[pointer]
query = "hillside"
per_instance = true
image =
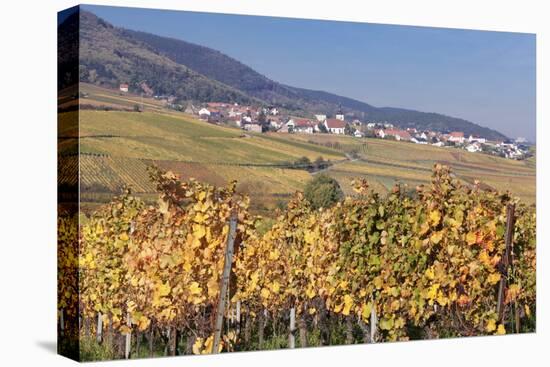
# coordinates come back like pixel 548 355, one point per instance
pixel 111 55
pixel 107 57
pixel 117 146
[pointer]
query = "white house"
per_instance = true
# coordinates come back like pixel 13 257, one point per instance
pixel 253 127
pixel 321 118
pixel 456 137
pixel 358 134
pixel 123 87
pixel 335 126
pixel 204 113
pixel 303 125
pixel 521 140
pixel 474 147
pixel 340 116
pixel 478 139
pixel 288 127
pixel 380 133
pixel 422 136
pixel 275 123
pixel 398 134
pixel 371 125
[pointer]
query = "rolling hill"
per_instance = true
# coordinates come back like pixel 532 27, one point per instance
pixel 110 55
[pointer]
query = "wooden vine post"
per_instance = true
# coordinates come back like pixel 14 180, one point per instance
pixel 292 330
pixel 225 281
pixel 99 328
pixel 373 323
pixel 506 259
pixel 128 338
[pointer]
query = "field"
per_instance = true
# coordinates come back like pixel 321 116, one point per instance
pixel 387 162
pixel 117 146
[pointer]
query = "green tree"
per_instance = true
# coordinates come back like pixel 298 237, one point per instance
pixel 348 130
pixel 323 192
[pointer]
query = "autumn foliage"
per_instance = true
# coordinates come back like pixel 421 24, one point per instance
pixel 404 266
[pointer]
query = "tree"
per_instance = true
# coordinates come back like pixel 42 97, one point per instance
pixel 323 192
pixel 304 163
pixel 322 127
pixel 262 120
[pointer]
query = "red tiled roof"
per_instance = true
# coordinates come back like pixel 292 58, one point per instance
pixel 302 122
pixel 216 104
pixel 402 133
pixel 457 134
pixel 335 124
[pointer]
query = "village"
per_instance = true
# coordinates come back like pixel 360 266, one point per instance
pixel 270 119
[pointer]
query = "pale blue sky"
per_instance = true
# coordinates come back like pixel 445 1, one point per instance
pixel 485 77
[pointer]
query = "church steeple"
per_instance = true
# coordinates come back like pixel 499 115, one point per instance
pixel 340 113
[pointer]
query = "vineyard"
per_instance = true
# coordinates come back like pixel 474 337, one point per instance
pixel 193 275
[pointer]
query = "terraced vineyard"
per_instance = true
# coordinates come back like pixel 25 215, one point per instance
pixel 117 146
pixel 387 162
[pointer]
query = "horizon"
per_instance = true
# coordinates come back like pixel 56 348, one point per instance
pixel 485 77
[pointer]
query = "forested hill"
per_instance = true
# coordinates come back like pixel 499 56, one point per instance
pixel 111 55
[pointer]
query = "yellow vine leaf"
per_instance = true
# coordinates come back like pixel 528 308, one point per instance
pixel 436 237
pixel 471 238
pixel 491 326
pixel 435 217
pixel 199 231
pixel 348 303
pixel 197 346
pixel 366 309
pixel 194 288
pixel 164 289
pixel 493 278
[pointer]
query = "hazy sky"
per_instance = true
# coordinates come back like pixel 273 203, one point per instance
pixel 485 77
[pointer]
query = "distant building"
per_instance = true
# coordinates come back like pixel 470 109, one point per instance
pixel 398 134
pixel 321 118
pixel 204 114
pixel 479 139
pixel 217 105
pixel 256 128
pixel 123 87
pixel 303 125
pixel 521 140
pixel 358 134
pixel 340 116
pixel 380 133
pixel 474 147
pixel 275 122
pixel 215 115
pixel 456 137
pixel 335 126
